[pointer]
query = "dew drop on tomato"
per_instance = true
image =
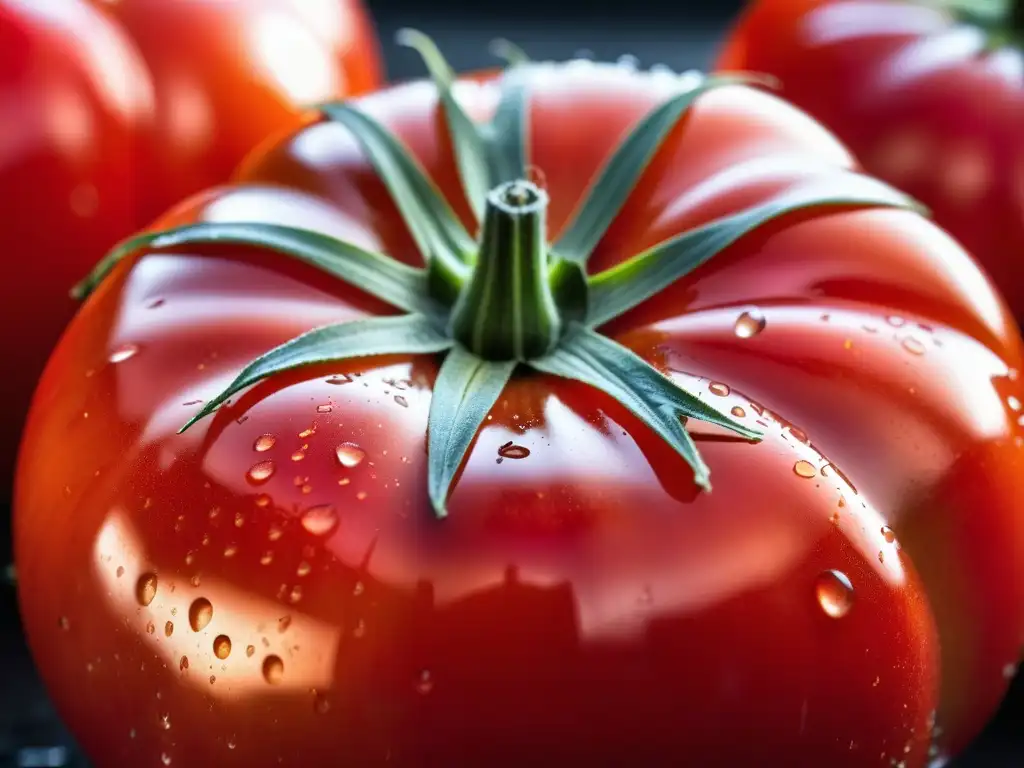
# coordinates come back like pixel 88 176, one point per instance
pixel 340 379
pixel 738 412
pixel 835 593
pixel 273 669
pixel 165 759
pixel 169 629
pixel 749 324
pixel 425 682
pixel 804 469
pixel 123 353
pixel 718 388
pixel 320 520
pixel 261 471
pixel 350 455
pixel 145 588
pixel 200 613
pixel 222 646
pixel 888 534
pixel 913 345
pixel 264 443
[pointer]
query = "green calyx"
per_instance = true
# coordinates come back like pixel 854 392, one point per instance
pixel 1001 20
pixel 504 298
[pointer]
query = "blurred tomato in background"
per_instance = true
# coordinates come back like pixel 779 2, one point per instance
pixel 929 96
pixel 112 111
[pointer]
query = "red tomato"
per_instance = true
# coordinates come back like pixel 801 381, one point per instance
pixel 271 588
pixel 228 74
pixel 86 160
pixel 75 98
pixel 922 101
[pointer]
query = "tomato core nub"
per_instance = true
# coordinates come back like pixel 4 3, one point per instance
pixel 507 310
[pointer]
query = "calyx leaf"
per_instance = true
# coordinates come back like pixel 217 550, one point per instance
pixel 381 276
pixel 617 290
pixel 390 335
pixel 464 393
pixel 656 400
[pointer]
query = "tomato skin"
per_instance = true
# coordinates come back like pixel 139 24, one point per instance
pixel 585 603
pixel 920 102
pixel 246 72
pixel 75 101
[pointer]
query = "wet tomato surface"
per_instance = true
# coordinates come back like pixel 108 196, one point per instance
pixel 928 102
pixel 109 118
pixel 271 588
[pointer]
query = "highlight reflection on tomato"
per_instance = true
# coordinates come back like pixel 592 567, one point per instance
pixel 282 593
pixel 928 95
pixel 110 117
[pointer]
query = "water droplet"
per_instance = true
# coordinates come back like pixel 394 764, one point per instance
pixel 320 520
pixel 283 623
pixel 155 304
pixel 165 758
pixel 913 345
pixel 738 412
pixel 718 388
pixel 360 629
pixel 264 443
pixel 63 623
pixel 350 455
pixel 323 409
pixel 200 613
pixel 358 589
pixel 274 533
pixel 123 352
pixel 267 558
pixel 230 550
pixel 250 650
pixel 888 534
pixel 295 595
pixel 425 682
pixel 298 455
pixel 222 646
pixel 881 556
pixel 195 581
pixel 804 469
pixel 263 500
pixel 511 451
pixel 232 743
pixel 183 664
pixel 1013 403
pixel 401 401
pixel 1010 671
pixel 750 323
pixel 896 321
pixel 120 571
pixel 145 588
pixel 340 379
pixel 321 704
pixel 165 722
pixel 835 593
pixel 261 471
pixel 150 628
pixel 168 629
pixel 273 669
pixel 303 569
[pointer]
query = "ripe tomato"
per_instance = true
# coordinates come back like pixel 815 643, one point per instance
pixel 228 74
pixel 270 587
pixel 87 160
pixel 928 103
pixel 75 99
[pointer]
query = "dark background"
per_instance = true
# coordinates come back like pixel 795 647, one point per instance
pixel 681 35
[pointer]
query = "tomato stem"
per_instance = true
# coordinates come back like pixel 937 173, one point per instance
pixel 507 310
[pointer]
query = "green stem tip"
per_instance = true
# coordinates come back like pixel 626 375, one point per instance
pixel 507 310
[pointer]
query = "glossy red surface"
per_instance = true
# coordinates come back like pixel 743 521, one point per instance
pixel 584 604
pixel 921 101
pixel 112 112
pixel 228 74
pixel 74 98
